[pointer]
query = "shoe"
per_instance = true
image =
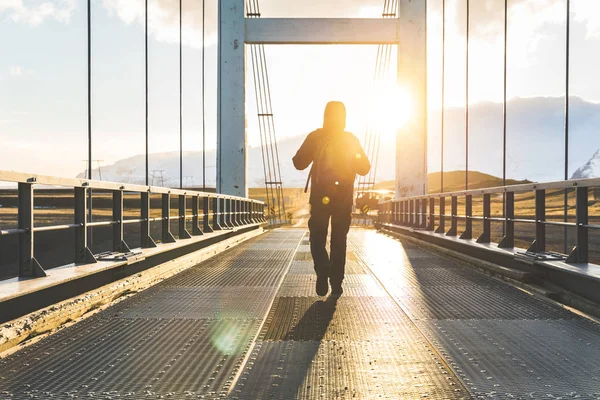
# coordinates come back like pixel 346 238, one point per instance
pixel 322 286
pixel 336 291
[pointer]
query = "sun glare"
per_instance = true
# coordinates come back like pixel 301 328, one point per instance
pixel 390 107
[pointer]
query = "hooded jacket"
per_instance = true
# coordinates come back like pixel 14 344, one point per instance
pixel 333 133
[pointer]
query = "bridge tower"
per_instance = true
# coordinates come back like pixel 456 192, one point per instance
pixel 408 31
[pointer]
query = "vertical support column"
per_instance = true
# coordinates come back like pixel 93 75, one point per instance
pixel 196 230
pixel 580 253
pixel 539 245
pixel 28 265
pixel 117 217
pixel 205 217
pixel 487 224
pixel 231 96
pixel 431 223
pixel 442 225
pixel 83 255
pixel 183 232
pixel 167 237
pixel 147 241
pixel 468 233
pixel 411 140
pixel 508 241
pixel 453 217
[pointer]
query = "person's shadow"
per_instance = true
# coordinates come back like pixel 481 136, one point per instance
pixel 306 336
pixel 282 365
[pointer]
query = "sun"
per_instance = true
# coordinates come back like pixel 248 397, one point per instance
pixel 390 107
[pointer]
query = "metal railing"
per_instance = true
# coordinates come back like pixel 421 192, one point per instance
pixel 420 212
pixel 210 212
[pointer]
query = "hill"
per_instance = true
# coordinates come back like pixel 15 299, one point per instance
pixel 455 181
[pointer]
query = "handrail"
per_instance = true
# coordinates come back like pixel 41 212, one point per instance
pixel 20 177
pixel 420 212
pixel 527 187
pixel 210 212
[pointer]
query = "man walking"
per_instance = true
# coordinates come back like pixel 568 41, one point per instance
pixel 337 157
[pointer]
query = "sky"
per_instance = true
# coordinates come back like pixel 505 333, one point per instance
pixel 43 71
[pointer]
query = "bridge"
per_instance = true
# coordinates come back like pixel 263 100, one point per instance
pixel 147 291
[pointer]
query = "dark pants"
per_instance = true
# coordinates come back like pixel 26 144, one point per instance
pixel 318 224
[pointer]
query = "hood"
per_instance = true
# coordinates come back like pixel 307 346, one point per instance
pixel 334 118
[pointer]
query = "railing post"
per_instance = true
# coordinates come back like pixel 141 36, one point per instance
pixel 442 225
pixel 400 212
pixel 415 213
pixel 487 224
pixel 117 217
pixel 236 212
pixel 431 222
pixel 205 215
pixel 227 213
pixel 147 241
pixel 28 265
pixel 83 254
pixel 196 230
pixel 468 233
pixel 167 237
pixel 215 214
pixel 251 212
pixel 580 253
pixel 424 213
pixel 508 241
pixel 539 244
pixel 453 217
pixel 244 212
pixel 183 232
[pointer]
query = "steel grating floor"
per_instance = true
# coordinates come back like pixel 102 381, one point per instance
pixel 186 337
pixel 411 324
pixel 500 341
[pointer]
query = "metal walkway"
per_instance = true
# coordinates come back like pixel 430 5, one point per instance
pixel 246 325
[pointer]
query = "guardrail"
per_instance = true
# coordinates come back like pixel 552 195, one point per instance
pixel 210 212
pixel 420 212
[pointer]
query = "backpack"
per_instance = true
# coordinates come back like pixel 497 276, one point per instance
pixel 333 164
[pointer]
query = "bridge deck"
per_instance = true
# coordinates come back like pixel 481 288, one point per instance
pixel 247 325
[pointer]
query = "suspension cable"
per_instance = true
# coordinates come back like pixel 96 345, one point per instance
pixel 266 125
pixel 203 96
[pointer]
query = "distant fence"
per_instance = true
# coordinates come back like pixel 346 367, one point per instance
pixel 209 212
pixel 537 206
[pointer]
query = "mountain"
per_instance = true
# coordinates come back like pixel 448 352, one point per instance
pixel 535 137
pixel 535 146
pixel 454 181
pixel 132 169
pixel 590 169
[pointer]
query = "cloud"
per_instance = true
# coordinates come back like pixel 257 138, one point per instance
pixel 35 12
pixel 16 70
pixel 163 19
pixel 587 12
